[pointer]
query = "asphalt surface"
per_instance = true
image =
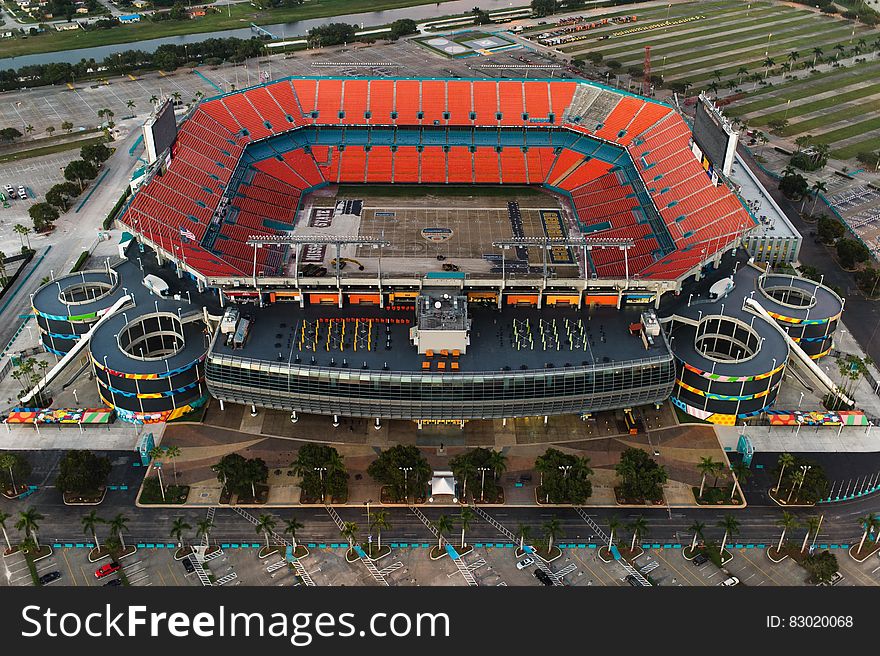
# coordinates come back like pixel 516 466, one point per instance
pixel 758 522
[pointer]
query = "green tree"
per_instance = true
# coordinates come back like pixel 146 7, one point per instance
pixel 119 525
pixel 552 530
pixel 565 478
pixel 741 473
pixel 321 471
pixel 442 525
pixel 172 452
pixel 9 134
pixel 156 454
pixel 13 467
pixel 541 8
pixel 523 532
pixel 291 526
pixel 80 171
pixel 466 517
pixel 349 532
pixel 379 521
pixel 403 469
pixel 642 478
pixel 730 524
pixel 81 471
pixel 95 153
pixel 794 186
pixel 90 526
pixel 822 567
pixel 402 27
pixel 787 522
pixel 706 466
pixel 851 252
pixel 29 522
pixel 697 529
pixel 784 461
pixel 67 126
pixel 178 528
pixel 43 216
pixel 813 524
pixel 265 525
pixel 829 230
pixel 22 231
pixel 639 527
pixel 203 529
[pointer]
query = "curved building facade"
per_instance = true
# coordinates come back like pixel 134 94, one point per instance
pixel 149 362
pixel 808 311
pixel 69 306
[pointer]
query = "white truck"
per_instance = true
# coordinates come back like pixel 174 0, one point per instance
pixel 229 320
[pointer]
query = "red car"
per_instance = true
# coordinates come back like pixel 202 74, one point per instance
pixel 107 570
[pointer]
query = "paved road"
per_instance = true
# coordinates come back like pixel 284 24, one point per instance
pixel 758 521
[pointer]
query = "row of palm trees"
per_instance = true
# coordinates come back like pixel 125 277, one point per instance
pixel 708 466
pixel 28 522
pixel 729 523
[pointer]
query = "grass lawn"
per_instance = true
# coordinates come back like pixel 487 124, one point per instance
pixel 854 111
pixel 49 150
pixel 851 151
pixel 712 29
pixel 242 14
pixel 850 131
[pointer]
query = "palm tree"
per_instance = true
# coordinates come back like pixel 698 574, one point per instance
pixel 731 528
pixel 713 87
pixel 8 462
pixel 157 453
pixel 21 230
pixel 785 460
pixel 819 187
pixel 706 466
pixel 349 532
pixel 787 522
pixel 29 522
pixel 639 527
pixel 443 525
pixel 129 104
pixel 552 530
pixel 812 527
pixel 741 474
pixel 466 517
pixel 743 71
pixel 717 74
pixel 797 479
pixel 817 52
pixel 379 521
pixel 119 525
pixel 154 99
pixel 29 128
pixel 793 56
pixel 172 452
pixel 203 528
pixel 697 528
pixel 176 95
pixel 869 522
pixel 90 525
pixel 3 517
pixel 756 78
pixel 768 64
pixel 497 463
pixel 265 525
pixel 523 532
pixel 763 140
pixel 178 528
pixel 291 526
pixel 613 525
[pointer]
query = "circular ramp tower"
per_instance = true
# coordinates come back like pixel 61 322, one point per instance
pixel 149 362
pixel 68 307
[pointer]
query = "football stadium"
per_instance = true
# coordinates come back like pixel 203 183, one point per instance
pixel 441 250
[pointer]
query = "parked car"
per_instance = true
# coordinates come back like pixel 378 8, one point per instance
pixel 22 193
pixel 700 559
pixel 730 581
pixel 113 582
pixel 525 562
pixel 107 569
pixel 10 192
pixel 542 576
pixel 45 579
pixel 188 566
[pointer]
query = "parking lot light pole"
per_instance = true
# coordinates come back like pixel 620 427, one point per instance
pixel 321 471
pixel 406 471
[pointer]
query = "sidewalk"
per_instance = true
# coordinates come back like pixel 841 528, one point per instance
pixel 826 439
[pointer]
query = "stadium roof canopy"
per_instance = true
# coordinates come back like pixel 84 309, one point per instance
pixel 625 161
